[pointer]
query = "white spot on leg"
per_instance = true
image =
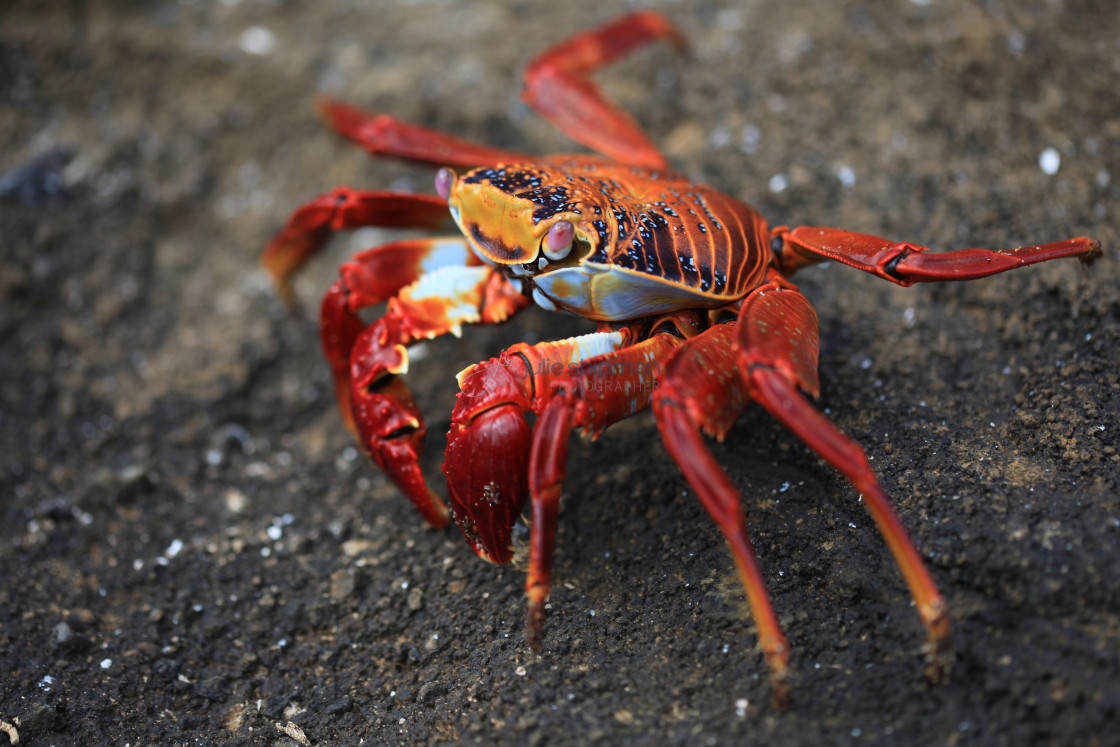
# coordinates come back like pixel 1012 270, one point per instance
pixel 596 343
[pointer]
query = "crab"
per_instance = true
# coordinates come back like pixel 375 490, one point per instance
pixel 689 288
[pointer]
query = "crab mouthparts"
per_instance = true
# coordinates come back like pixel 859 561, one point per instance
pixel 550 259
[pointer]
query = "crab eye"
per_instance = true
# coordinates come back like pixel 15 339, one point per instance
pixel 444 179
pixel 558 242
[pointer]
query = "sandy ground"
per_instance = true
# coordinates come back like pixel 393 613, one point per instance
pixel 192 552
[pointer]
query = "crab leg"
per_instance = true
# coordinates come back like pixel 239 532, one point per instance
pixel 592 395
pixel 906 263
pixel 778 343
pixel 558 87
pixel 309 227
pixel 384 135
pixel 368 361
pixel 702 391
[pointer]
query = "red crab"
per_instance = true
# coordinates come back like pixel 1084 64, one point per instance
pixel 689 287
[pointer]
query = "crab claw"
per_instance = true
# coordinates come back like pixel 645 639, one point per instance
pixel 486 468
pixel 487 457
pixel 390 427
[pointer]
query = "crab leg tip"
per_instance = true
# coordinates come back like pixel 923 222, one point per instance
pixel 938 655
pixel 781 694
pixel 534 625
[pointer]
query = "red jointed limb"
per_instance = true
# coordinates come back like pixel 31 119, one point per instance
pixel 701 390
pixel 454 297
pixel 609 379
pixel 777 358
pixel 486 464
pixel 370 278
pixel 591 393
pixel 548 461
pixel 778 325
pixel 339 327
pixel 906 263
pixel 684 443
pixel 378 274
pixel 558 87
pixel 391 430
pixel 309 227
pixel 383 135
pixel 389 424
pixel 701 379
pixel 591 50
pixel 781 398
pixel 976 263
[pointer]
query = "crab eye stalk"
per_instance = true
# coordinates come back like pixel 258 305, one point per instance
pixel 444 179
pixel 558 242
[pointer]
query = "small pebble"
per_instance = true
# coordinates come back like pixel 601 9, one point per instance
pixel 1050 160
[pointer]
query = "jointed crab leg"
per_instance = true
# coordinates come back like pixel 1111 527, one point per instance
pixel 906 263
pixel 702 391
pixel 778 357
pixel 436 304
pixel 548 466
pixel 775 345
pixel 597 392
pixel 774 392
pixel 557 86
pixel 384 135
pixel 309 227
